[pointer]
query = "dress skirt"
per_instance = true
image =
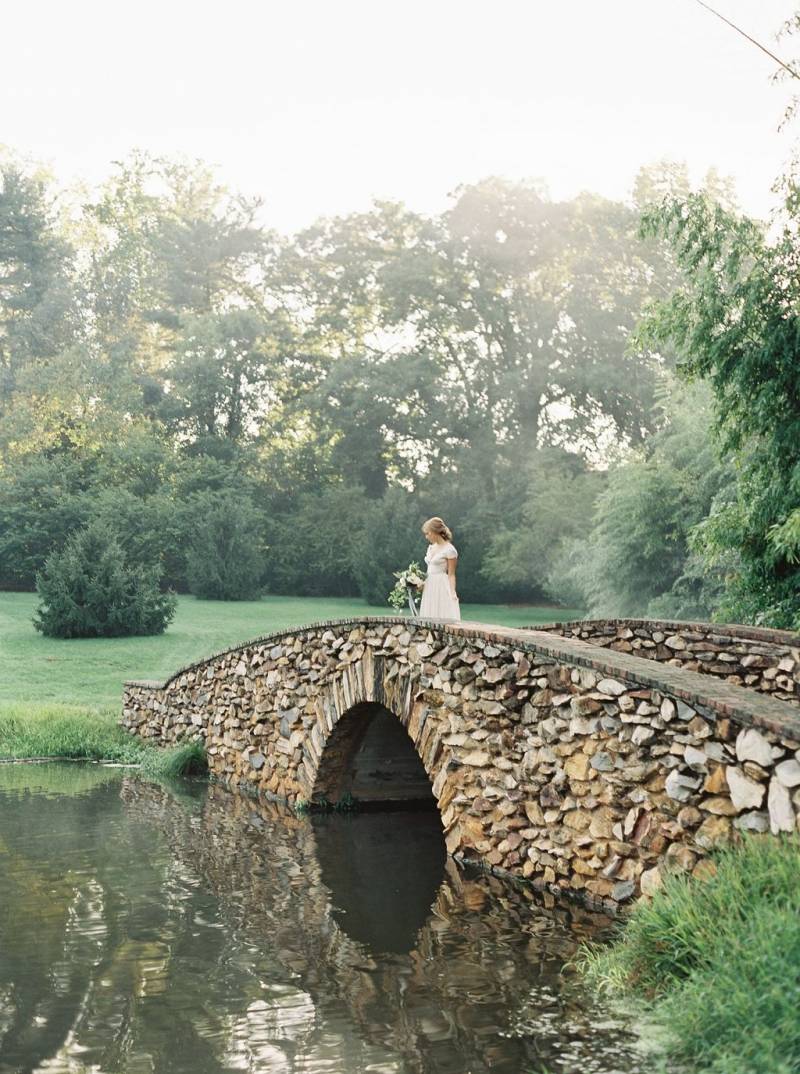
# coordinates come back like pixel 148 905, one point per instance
pixel 437 598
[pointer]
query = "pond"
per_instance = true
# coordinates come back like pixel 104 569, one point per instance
pixel 149 928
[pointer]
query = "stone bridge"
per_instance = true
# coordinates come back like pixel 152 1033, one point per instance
pixel 587 758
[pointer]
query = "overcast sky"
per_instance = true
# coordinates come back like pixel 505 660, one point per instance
pixel 320 105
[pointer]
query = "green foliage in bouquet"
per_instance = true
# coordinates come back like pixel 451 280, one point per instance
pixel 412 576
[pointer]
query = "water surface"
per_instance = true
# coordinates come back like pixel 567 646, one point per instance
pixel 147 929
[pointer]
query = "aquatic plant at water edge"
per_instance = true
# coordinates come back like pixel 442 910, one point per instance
pixel 188 759
pixel 65 731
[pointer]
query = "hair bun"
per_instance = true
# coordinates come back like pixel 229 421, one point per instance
pixel 438 526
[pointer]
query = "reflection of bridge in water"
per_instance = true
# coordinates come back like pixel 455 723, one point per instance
pixel 435 970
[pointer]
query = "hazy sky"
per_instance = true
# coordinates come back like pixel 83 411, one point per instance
pixel 321 105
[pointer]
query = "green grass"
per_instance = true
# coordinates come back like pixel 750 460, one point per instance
pixel 62 698
pixel 27 730
pixel 30 730
pixel 718 962
pixel 188 759
pixel 90 671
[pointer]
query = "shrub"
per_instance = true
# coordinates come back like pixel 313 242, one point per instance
pixel 225 560
pixel 88 590
pixel 148 529
pixel 40 506
pixel 312 543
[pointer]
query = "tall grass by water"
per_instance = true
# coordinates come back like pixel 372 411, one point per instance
pixel 29 730
pixel 718 962
pixel 75 733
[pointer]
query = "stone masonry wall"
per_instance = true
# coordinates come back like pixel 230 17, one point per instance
pixel 584 770
pixel 764 660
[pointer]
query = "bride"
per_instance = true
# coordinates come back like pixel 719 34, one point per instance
pixel 439 600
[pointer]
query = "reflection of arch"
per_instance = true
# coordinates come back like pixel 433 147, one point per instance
pixel 383 872
pixel 370 757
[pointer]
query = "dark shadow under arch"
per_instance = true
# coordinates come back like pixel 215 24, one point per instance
pixel 371 759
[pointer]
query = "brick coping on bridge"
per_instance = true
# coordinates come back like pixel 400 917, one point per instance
pixel 767 635
pixel 746 707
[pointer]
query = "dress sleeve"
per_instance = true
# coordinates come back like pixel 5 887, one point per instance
pixel 450 552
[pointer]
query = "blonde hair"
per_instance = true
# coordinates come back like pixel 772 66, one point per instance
pixel 436 525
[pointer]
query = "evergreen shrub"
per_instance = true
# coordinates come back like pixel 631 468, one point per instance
pixel 90 590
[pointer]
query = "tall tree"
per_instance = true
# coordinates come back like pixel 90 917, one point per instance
pixel 176 275
pixel 36 300
pixel 479 335
pixel 736 324
pixel 220 375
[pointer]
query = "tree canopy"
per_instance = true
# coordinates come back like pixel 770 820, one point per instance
pixel 163 353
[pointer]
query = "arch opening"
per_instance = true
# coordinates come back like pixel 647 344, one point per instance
pixel 370 760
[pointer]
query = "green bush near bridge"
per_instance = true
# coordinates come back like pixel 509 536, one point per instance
pixel 718 961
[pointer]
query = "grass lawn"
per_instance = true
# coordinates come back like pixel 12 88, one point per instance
pixel 40 672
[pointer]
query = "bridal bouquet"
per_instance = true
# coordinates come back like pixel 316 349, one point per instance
pixel 410 578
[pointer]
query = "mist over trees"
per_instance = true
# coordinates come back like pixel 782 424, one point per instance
pixel 168 364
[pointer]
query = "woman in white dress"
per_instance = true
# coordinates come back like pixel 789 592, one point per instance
pixel 439 600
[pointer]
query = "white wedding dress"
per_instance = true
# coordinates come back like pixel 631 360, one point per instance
pixel 437 597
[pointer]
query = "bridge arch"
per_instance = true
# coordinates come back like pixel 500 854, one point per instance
pixel 586 769
pixel 370 759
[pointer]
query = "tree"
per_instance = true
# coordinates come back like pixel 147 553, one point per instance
pixel 637 558
pixel 225 560
pixel 131 483
pixel 735 325
pixel 33 261
pixel 557 507
pixel 311 542
pixel 36 297
pixel 40 506
pixel 461 341
pixel 176 288
pixel 221 375
pixel 89 590
pixel 388 539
